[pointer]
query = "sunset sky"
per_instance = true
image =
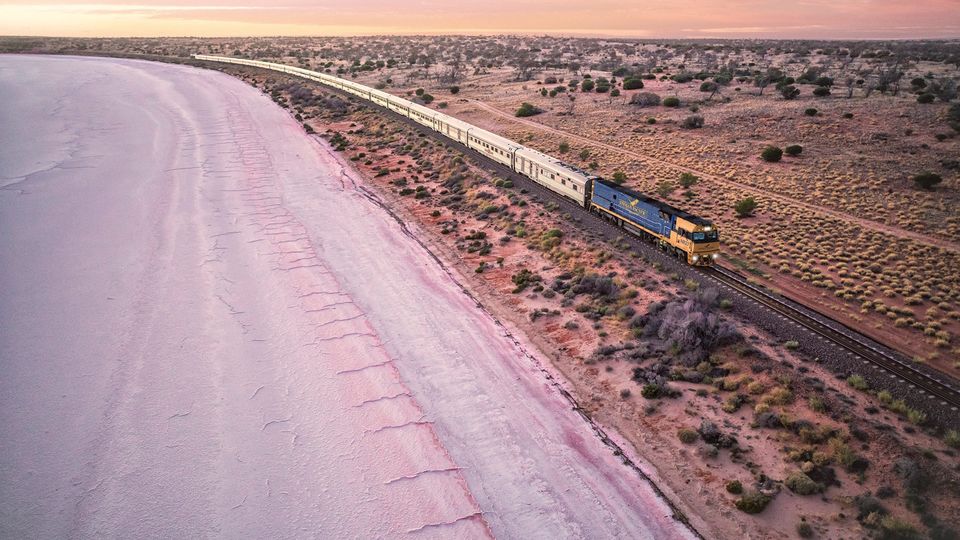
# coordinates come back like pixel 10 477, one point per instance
pixel 637 18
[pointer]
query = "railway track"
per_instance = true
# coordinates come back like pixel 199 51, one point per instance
pixel 847 339
pixel 871 354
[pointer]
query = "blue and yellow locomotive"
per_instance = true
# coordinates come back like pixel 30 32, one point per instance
pixel 686 236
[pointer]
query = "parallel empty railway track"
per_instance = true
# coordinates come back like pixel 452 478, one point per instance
pixel 850 340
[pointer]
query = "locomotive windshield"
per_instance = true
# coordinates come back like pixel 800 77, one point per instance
pixel 705 236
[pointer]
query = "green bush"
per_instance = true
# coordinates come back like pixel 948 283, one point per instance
pixel 810 112
pixel 735 487
pixel 793 150
pixel 789 92
pixel 632 84
pixel 564 147
pixel 804 530
pixel 688 179
pixel 926 180
pixel 771 154
pixel 745 207
pixel 801 484
pixel 821 91
pixel 952 438
pixel 454 89
pixel 651 391
pixel 753 503
pixel 694 121
pixel 925 98
pixel 671 102
pixel 858 382
pixel 527 109
pixel 687 435
pixel 587 85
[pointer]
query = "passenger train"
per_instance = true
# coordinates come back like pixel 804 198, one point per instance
pixel 691 238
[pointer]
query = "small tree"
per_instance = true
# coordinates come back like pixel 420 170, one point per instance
pixel 615 93
pixel 771 154
pixel 632 84
pixel 793 150
pixel 789 91
pixel 926 180
pixel 688 179
pixel 587 85
pixel 671 102
pixel 584 154
pixel 694 121
pixel 454 89
pixel 665 188
pixel 821 91
pixel 527 109
pixel 925 98
pixel 564 147
pixel 745 207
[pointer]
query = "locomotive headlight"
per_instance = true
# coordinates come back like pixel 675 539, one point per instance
pixel 715 255
pixel 696 258
pixel 708 229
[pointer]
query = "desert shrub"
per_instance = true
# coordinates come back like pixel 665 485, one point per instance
pixel 810 111
pixel 454 89
pixel 683 77
pixel 892 528
pixel 426 98
pixel 793 150
pixel 528 109
pixel 792 345
pixel 690 327
pixel 564 147
pixel 858 382
pixel 619 177
pixel 645 99
pixel 804 530
pixel 587 85
pixel 671 102
pixel 694 121
pixel 523 279
pixel 821 91
pixel 771 154
pixel 925 98
pixel 584 154
pixel 651 391
pixel 952 438
pixel 688 179
pixel 926 180
pixel 687 435
pixel 615 92
pixel 789 91
pixel 735 487
pixel 753 502
pixel 745 207
pixel 708 86
pixel 801 484
pixel 632 84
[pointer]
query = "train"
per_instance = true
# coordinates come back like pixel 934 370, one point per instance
pixel 692 239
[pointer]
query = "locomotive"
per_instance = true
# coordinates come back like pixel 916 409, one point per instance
pixel 688 237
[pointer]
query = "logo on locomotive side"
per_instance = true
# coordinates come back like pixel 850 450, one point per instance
pixel 631 208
